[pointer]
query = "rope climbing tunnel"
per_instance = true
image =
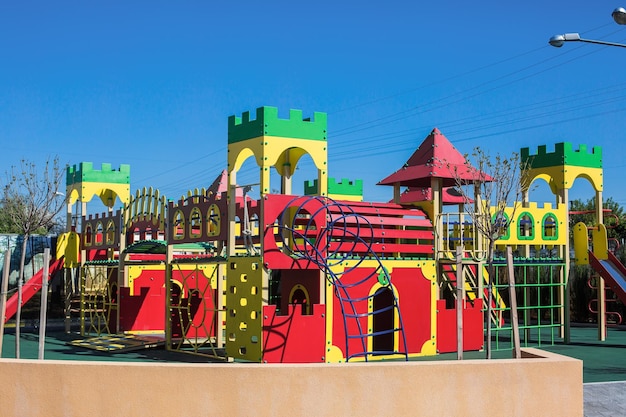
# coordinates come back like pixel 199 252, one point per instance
pixel 347 235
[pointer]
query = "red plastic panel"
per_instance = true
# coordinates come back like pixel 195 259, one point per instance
pixel 382 228
pixel 274 205
pixel 416 306
pixel 472 327
pixel 416 309
pixel 144 311
pixel 293 338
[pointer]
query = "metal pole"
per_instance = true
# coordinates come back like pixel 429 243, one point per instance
pixel 3 293
pixel 43 309
pixel 565 276
pixel 489 311
pixel 513 301
pixel 460 298
pixel 600 280
pixel 168 295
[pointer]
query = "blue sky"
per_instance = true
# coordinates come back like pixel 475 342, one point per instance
pixel 152 83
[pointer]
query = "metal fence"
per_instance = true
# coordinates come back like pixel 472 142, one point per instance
pixel 34 254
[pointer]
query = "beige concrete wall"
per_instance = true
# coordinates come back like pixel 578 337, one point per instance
pixel 542 384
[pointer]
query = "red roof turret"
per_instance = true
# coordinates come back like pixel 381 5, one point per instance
pixel 436 157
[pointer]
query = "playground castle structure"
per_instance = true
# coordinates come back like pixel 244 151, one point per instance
pixel 319 277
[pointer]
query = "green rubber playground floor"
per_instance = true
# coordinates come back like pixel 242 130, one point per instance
pixel 57 348
pixel 603 361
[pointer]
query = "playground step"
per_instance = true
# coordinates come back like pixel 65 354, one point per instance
pixel 448 272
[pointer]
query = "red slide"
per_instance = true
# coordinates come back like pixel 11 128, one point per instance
pixel 613 272
pixel 31 287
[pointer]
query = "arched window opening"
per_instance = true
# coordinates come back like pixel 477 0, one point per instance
pixel 525 229
pixel 383 321
pixel 195 223
pixel 179 225
pixel 110 233
pixel 136 235
pixel 99 233
pixel 549 227
pixel 213 221
pixel 299 296
pixel 88 235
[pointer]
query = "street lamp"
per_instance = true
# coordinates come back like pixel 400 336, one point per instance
pixel 619 15
pixel 559 40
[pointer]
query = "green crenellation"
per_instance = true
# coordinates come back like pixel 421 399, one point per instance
pixel 85 172
pixel 344 187
pixel 563 154
pixel 267 123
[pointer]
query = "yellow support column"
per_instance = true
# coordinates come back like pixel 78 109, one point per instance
pixel 602 241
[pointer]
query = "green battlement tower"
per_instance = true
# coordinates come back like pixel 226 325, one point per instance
pixel 83 182
pixel 342 190
pixel 267 123
pixel 561 167
pixel 564 154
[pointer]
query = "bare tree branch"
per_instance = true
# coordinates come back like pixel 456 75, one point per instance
pixel 31 201
pixel 495 184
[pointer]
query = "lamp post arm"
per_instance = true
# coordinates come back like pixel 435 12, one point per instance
pixel 559 40
pixel 621 45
